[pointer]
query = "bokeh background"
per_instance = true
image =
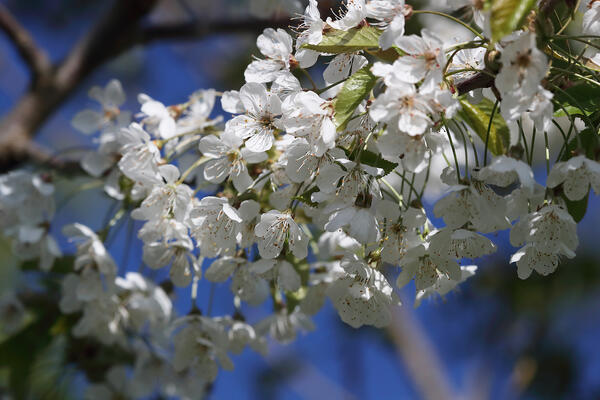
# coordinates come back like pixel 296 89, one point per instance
pixel 497 337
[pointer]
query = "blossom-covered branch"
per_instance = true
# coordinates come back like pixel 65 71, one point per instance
pixel 313 187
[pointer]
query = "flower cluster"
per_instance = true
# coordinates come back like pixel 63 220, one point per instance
pixel 307 194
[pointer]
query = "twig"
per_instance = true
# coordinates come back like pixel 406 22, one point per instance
pixel 419 356
pixel 121 28
pixel 478 81
pixel 34 56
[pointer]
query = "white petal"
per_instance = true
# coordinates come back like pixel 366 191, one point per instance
pixel 260 141
pixel 288 279
pixel 87 121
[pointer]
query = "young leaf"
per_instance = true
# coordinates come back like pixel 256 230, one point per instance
pixel 373 160
pixel 336 41
pixel 508 15
pixel 305 197
pixel 587 96
pixel 353 92
pixel 576 208
pixel 478 118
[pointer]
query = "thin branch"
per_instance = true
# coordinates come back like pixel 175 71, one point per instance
pixel 34 154
pixel 478 81
pixel 194 31
pixel 419 355
pixel 121 28
pixel 34 56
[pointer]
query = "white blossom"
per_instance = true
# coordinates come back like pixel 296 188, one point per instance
pixel 363 295
pixel 227 159
pixel 261 108
pixel 547 234
pixel 283 326
pixel 591 19
pixel 390 16
pixel 356 12
pixel 157 117
pixel 307 115
pixel 111 97
pixel 576 176
pixel 273 230
pixel 276 46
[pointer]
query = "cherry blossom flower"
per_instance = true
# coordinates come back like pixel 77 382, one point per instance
pixel 390 14
pixel 591 18
pixel 273 230
pixel 276 46
pixel 424 59
pixel 201 344
pixel 305 114
pixel 444 285
pixel 356 12
pixel 257 125
pixel 576 176
pixel 111 97
pixel 523 67
pixel 412 108
pixel 228 159
pixel 215 225
pixel 547 234
pixel 363 295
pixel 90 249
pixel 283 326
pixel 310 32
pixel 140 155
pixel 157 118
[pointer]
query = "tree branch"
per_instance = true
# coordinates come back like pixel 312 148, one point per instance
pixel 419 355
pixel 35 57
pixel 478 81
pixel 194 30
pixel 120 29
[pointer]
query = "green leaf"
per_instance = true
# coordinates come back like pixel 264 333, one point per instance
pixel 570 110
pixel 577 208
pixel 337 42
pixel 19 353
pixel 390 54
pixel 305 197
pixel 374 160
pixel 355 88
pixel 508 15
pixel 478 118
pixel 587 96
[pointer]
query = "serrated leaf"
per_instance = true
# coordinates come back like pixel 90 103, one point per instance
pixel 478 118
pixel 354 90
pixel 337 41
pixel 508 15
